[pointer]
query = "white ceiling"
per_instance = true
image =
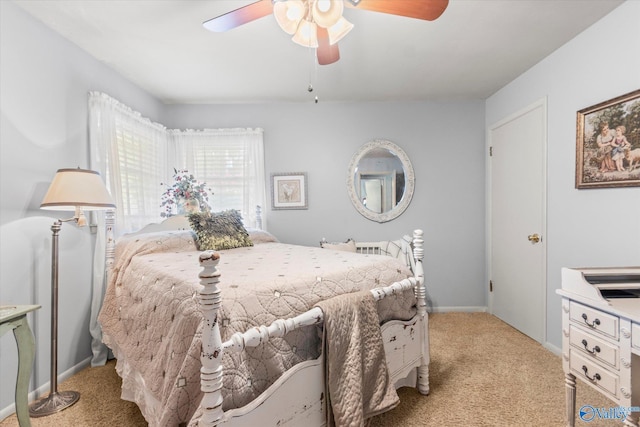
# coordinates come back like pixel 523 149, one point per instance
pixel 472 50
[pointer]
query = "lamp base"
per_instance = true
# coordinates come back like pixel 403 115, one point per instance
pixel 53 403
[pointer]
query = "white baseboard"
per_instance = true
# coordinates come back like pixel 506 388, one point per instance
pixel 40 391
pixel 553 349
pixel 467 309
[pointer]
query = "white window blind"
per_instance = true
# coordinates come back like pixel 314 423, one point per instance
pixel 130 152
pixel 231 162
pixel 141 168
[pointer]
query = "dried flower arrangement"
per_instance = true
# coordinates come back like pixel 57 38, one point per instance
pixel 183 194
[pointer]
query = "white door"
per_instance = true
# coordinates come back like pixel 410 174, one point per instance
pixel 517 211
pixel 373 191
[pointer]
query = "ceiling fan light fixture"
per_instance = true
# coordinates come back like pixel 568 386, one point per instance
pixel 307 34
pixel 288 14
pixel 327 13
pixel 319 24
pixel 338 30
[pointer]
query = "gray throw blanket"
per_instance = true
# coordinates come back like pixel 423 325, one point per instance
pixel 357 380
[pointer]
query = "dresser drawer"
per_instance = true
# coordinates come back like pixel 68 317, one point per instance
pixel 635 336
pixel 594 347
pixel 594 373
pixel 594 320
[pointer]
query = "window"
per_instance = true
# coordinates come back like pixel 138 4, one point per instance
pixel 139 166
pixel 231 162
pixel 136 155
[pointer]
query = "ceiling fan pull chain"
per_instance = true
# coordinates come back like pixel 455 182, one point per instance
pixel 313 72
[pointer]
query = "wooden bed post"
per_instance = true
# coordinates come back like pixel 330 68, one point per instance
pixel 211 354
pixel 421 295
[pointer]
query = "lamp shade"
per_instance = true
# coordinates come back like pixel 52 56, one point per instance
pixel 73 188
pixel 288 14
pixel 338 30
pixel 327 12
pixel 307 34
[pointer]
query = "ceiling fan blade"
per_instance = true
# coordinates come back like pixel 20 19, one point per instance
pixel 428 10
pixel 327 53
pixel 238 17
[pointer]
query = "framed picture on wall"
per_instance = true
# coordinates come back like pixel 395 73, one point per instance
pixel 608 143
pixel 289 190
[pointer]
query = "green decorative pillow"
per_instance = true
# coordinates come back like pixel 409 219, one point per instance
pixel 220 230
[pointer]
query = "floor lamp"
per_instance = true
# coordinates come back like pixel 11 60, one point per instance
pixel 71 190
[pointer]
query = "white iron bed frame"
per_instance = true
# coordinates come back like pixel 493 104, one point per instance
pixel 297 397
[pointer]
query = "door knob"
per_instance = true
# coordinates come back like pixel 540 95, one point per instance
pixel 534 238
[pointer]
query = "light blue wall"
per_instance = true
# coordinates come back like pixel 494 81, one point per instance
pixel 593 227
pixel 44 81
pixel 445 144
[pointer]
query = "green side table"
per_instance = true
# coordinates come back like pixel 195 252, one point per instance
pixel 15 318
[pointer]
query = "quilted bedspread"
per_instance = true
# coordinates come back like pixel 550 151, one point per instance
pixel 151 319
pixel 357 382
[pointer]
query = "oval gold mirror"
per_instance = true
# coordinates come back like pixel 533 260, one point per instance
pixel 380 180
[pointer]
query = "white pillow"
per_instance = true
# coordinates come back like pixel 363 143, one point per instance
pixel 348 246
pixel 260 236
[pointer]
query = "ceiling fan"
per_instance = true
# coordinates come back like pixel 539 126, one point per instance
pixel 319 24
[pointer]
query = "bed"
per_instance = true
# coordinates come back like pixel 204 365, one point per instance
pixel 242 336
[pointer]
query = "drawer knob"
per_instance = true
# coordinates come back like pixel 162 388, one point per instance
pixel 595 378
pixel 595 350
pixel 593 324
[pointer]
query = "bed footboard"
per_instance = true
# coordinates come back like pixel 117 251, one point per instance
pixel 406 342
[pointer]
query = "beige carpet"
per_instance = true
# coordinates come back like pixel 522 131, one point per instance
pixel 483 373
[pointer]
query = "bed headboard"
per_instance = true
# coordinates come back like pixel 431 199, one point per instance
pixel 175 222
pixel 181 222
pixel 401 249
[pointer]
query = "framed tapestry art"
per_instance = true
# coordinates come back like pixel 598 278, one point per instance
pixel 608 143
pixel 289 190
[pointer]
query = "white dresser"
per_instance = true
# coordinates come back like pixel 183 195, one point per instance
pixel 601 339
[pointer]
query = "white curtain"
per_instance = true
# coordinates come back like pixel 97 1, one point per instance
pixel 134 158
pixel 231 162
pixel 136 155
pixel 130 152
